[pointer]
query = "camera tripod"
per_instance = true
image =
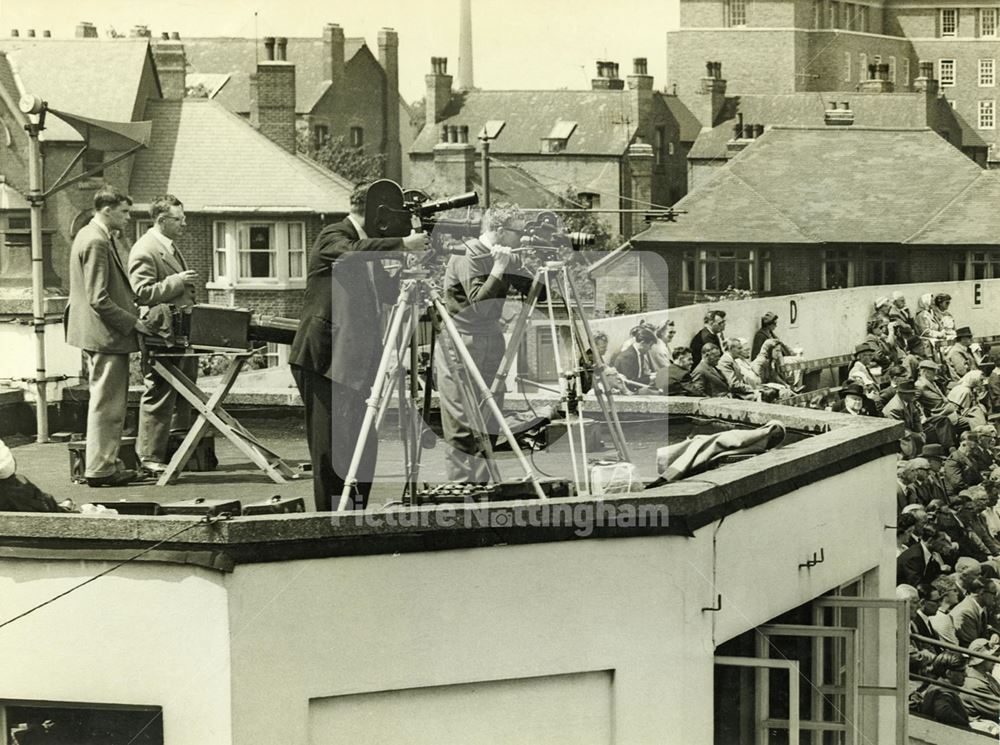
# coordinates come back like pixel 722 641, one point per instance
pixel 416 295
pixel 555 275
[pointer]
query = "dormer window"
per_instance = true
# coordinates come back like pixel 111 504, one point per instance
pixel 556 140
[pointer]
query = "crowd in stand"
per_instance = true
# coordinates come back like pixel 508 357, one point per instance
pixel 709 365
pixel 923 370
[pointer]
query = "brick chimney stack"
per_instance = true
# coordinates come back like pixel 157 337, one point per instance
pixel 640 167
pixel 607 77
pixel 86 30
pixel 438 89
pixel 711 96
pixel 333 56
pixel 272 101
pixel 640 87
pixel 454 160
pixel 388 57
pixel 171 66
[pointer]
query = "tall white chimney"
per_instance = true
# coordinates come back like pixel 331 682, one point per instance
pixel 464 82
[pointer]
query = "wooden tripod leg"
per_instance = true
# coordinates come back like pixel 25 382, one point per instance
pixel 604 396
pixel 399 310
pixel 490 401
pixel 517 334
pixel 207 415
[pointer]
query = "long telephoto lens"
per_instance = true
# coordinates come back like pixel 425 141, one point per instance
pixel 579 239
pixel 469 199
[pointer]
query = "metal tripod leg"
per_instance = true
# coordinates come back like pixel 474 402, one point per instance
pixel 379 389
pixel 487 393
pixel 517 333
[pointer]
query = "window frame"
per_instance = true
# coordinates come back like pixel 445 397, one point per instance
pixel 986 12
pixel 321 135
pixel 847 65
pixel 357 137
pixel 736 13
pixel 696 264
pixel 227 254
pixel 953 80
pixel 951 13
pixel 987 77
pixel 833 256
pixel 986 114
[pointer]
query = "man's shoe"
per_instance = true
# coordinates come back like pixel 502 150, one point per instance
pixel 118 478
pixel 153 467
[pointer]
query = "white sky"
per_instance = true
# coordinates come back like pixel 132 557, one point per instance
pixel 516 43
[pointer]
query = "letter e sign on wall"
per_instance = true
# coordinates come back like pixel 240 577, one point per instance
pixel 977 295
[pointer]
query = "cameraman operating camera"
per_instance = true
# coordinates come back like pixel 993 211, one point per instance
pixel 475 290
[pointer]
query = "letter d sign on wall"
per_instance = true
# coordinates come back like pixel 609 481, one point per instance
pixel 793 312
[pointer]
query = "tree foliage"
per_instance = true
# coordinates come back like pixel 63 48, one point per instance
pixel 353 163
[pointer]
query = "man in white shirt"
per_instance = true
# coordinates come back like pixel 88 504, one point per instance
pixel 160 276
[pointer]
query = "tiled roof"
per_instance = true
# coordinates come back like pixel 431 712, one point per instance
pixel 894 110
pixel 687 123
pixel 215 161
pixel 971 218
pixel 239 58
pixel 78 77
pixel 601 117
pixel 824 185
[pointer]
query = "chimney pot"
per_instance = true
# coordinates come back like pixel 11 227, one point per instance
pixel 269 48
pixel 175 36
pixel 86 30
pixel 463 134
pixel 46 34
pixel 747 131
pixel 164 36
pixel 738 127
pixel 639 65
pixel 31 33
pixel 14 33
pixel 444 133
pixel 281 48
pixel 758 130
pixel 845 105
pixel 452 133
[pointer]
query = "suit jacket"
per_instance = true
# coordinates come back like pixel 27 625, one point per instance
pixel 978 682
pixel 340 335
pixel 709 380
pixel 633 366
pixel 674 380
pixel 920 625
pixel 703 337
pixel 101 314
pixel 912 569
pixel 908 414
pixel 733 375
pixel 153 270
pixel 970 620
pixel 958 472
pixel 960 361
pixel 932 399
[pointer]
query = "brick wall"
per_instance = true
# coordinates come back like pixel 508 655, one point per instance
pixel 287 303
pixel 359 104
pixel 752 61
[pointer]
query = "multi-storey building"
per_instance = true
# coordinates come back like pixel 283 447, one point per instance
pixel 826 46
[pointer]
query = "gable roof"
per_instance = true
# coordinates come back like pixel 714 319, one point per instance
pixel 238 58
pixel 216 162
pixel 687 124
pixel 824 185
pixel 78 77
pixel 602 118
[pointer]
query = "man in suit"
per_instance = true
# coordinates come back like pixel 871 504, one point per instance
pixel 706 376
pixel 920 563
pixel 675 379
pixel 730 368
pixel 940 414
pixel 711 333
pixel 633 363
pixel 959 357
pixel 971 616
pixel 337 348
pixel 102 320
pixel 160 277
pixel 902 407
pixel 476 285
pixel 959 470
pixel 979 679
pixel 927 607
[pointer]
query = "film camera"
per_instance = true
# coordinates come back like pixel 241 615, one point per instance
pixel 545 232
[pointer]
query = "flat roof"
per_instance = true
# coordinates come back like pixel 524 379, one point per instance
pixel 841 442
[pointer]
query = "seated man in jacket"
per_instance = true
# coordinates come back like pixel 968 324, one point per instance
pixel 903 407
pixel 731 365
pixel 675 379
pixel 706 376
pixel 959 470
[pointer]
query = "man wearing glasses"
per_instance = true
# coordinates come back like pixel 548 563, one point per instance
pixel 160 277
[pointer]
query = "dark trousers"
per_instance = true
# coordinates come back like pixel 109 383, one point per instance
pixel 334 414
